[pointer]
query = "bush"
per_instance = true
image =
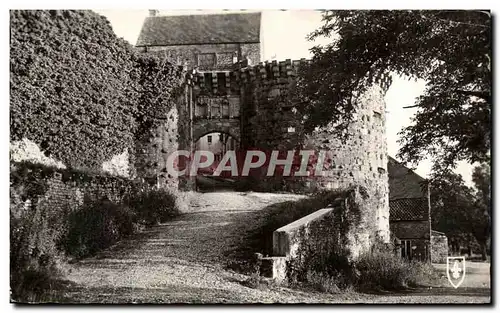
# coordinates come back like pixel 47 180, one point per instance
pixel 35 234
pixel 153 206
pixel 375 270
pixel 385 270
pixel 322 282
pixel 98 225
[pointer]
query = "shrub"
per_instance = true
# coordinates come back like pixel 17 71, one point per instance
pixel 376 270
pixel 98 225
pixel 35 234
pixel 322 282
pixel 153 206
pixel 381 269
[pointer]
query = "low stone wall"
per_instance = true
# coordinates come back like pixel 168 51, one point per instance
pixel 287 240
pixel 439 247
pixel 326 234
pixel 58 190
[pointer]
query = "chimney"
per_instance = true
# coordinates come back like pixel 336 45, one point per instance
pixel 154 12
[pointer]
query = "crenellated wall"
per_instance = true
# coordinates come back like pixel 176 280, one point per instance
pixel 254 103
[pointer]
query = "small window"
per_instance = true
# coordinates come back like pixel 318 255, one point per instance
pixel 209 139
pixel 206 60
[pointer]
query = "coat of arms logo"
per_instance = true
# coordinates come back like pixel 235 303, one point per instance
pixel 455 270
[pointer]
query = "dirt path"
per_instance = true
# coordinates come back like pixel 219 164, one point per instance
pixel 183 261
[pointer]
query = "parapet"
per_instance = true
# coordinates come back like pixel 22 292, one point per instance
pixel 269 72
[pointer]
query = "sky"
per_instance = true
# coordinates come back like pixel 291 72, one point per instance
pixel 284 37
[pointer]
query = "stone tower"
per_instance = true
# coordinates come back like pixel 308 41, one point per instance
pixel 270 120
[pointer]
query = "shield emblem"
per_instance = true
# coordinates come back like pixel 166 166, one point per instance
pixel 455 270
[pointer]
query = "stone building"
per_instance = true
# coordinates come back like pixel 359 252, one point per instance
pixel 204 42
pixel 252 102
pixel 410 219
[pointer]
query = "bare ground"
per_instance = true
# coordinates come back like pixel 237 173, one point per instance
pixel 183 261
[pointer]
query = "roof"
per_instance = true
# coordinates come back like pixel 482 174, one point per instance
pixel 200 29
pixel 416 209
pixel 437 233
pixel 403 182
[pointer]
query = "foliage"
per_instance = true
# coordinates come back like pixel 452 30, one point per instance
pixel 35 232
pixel 70 86
pixel 77 90
pixel 48 224
pixel 451 50
pixel 383 269
pixel 322 282
pixel 377 269
pixel 459 210
pixel 159 82
pixel 481 218
pixel 153 206
pixel 98 225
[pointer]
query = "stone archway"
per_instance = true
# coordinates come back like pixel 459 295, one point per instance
pixel 226 126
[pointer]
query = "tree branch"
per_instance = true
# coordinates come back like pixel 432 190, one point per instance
pixel 480 94
pixel 411 106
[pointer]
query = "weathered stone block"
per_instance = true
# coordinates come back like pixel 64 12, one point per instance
pixel 274 267
pixel 288 239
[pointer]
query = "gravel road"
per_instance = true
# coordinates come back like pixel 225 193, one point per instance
pixel 182 261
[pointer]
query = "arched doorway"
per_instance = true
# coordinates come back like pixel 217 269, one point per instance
pixel 219 143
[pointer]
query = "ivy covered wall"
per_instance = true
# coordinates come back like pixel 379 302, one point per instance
pixel 78 91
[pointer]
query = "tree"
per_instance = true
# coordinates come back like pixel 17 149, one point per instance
pixel 451 202
pixel 458 210
pixel 481 177
pixel 451 50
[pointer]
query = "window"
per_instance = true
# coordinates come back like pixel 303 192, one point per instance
pixel 209 139
pixel 406 249
pixel 206 60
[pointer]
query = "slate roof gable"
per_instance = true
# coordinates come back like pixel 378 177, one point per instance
pixel 200 29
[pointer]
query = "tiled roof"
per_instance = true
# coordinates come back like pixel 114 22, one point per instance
pixel 403 182
pixel 200 29
pixel 416 209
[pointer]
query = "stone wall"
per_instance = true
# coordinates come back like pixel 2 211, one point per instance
pixel 213 56
pixel 153 148
pixel 321 237
pixel 439 247
pixel 61 189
